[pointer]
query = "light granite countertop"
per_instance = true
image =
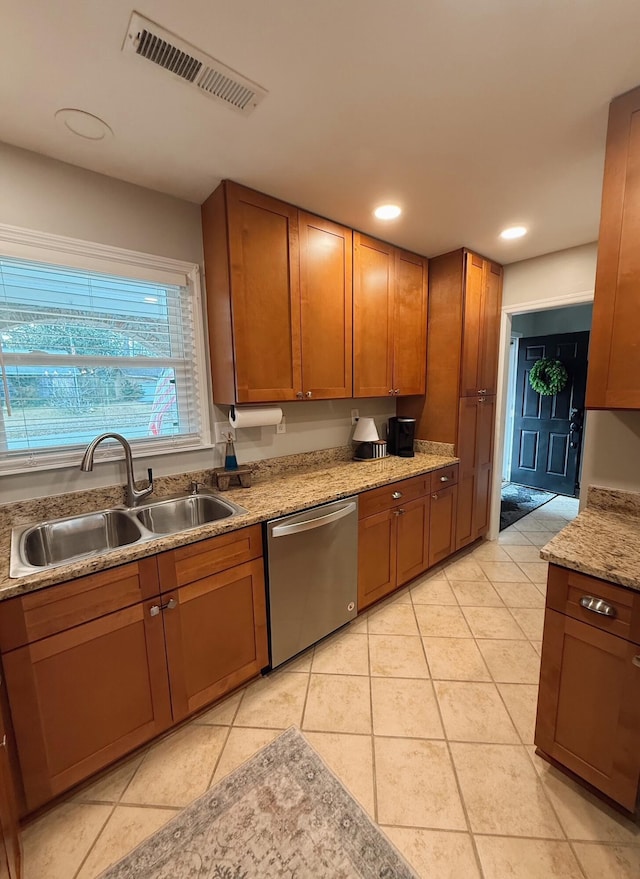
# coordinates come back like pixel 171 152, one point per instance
pixel 603 540
pixel 281 486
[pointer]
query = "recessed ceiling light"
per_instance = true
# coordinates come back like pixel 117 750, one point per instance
pixel 83 124
pixel 513 232
pixel 387 212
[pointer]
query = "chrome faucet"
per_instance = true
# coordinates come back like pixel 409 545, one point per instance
pixel 132 496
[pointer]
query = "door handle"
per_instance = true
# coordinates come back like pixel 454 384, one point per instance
pixel 155 609
pixel 597 605
pixel 309 524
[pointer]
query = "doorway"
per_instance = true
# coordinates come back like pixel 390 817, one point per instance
pixel 543 433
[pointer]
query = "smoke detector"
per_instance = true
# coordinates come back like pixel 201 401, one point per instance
pixel 210 76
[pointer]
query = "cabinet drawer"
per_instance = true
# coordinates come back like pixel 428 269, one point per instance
pixel 48 611
pixel 379 499
pixel 190 563
pixel 619 610
pixel 444 477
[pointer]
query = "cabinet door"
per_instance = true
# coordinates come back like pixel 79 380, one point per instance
pixel 265 295
pixel 376 557
pixel 410 324
pixel 10 849
pixel 589 705
pixel 490 329
pixel 442 526
pixel 216 636
pixel 614 352
pixel 84 697
pixel 373 283
pixel 466 451
pixel 412 539
pixel 483 465
pixel 326 290
pixel 472 324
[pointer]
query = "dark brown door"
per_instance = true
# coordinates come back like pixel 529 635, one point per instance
pixel 442 525
pixel 216 636
pixel 265 292
pixel 84 697
pixel 546 448
pixel 410 324
pixel 413 539
pixel 483 465
pixel 373 292
pixel 466 451
pixel 377 553
pixel 472 324
pixel 614 368
pixel 589 705
pixel 326 288
pixel 490 329
pixel 10 849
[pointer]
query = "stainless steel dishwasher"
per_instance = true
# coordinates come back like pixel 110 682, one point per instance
pixel 313 575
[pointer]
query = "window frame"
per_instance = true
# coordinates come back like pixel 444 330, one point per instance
pixel 74 253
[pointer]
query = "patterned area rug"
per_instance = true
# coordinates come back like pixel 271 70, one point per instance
pixel 281 814
pixel 518 500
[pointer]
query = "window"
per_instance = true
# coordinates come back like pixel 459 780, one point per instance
pixel 110 347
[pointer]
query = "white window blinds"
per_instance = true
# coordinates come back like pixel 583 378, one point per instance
pixel 84 352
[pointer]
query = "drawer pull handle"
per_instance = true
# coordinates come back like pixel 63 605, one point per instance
pixel 597 605
pixel 155 609
pixel 636 661
pixel 444 479
pixel 396 495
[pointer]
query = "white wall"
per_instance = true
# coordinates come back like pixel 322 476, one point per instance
pixel 611 455
pixel 563 273
pixel 43 194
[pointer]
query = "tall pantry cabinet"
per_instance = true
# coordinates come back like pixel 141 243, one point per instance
pixel 465 295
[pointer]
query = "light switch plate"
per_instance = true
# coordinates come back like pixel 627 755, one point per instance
pixel 282 427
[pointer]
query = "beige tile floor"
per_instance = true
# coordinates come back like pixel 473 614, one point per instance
pixel 424 707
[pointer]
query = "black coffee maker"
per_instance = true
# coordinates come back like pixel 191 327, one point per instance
pixel 400 436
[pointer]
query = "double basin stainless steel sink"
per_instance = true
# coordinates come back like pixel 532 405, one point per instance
pixel 61 541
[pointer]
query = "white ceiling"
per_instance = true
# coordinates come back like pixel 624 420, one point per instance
pixel 471 114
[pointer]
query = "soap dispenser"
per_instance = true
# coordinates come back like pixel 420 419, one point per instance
pixel 230 460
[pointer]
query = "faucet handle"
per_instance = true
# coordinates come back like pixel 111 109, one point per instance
pixel 194 486
pixel 150 476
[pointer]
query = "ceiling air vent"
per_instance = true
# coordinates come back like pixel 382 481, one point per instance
pixel 214 79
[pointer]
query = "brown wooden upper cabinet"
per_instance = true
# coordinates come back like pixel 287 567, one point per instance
pixel 390 319
pixel 481 326
pixel 614 352
pixel 279 299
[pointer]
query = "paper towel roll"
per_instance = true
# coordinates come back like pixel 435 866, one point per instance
pixel 255 416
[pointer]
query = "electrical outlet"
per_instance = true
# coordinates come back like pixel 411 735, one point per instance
pixel 222 429
pixel 282 427
pixel 355 414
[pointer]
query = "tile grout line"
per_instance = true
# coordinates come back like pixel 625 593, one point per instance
pixel 97 837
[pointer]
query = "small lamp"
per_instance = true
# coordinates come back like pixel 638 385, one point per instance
pixel 365 434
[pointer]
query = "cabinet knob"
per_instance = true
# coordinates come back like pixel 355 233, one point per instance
pixel 636 661
pixel 400 512
pixel 300 395
pixel 481 399
pixel 434 497
pixel 396 391
pixel 444 479
pixel 155 609
pixel 597 605
pixel 396 495
pixel 3 743
pixel 308 394
pixel 482 391
pixel 391 391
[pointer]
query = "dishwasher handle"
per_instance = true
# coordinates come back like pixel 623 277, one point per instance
pixel 309 524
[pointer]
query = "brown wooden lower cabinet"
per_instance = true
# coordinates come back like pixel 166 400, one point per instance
pixel 442 528
pixel 412 533
pixel 86 696
pixel 84 692
pixel 216 636
pixel 589 700
pixel 10 848
pixel 475 450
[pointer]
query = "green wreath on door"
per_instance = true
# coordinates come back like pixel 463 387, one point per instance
pixel 548 377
